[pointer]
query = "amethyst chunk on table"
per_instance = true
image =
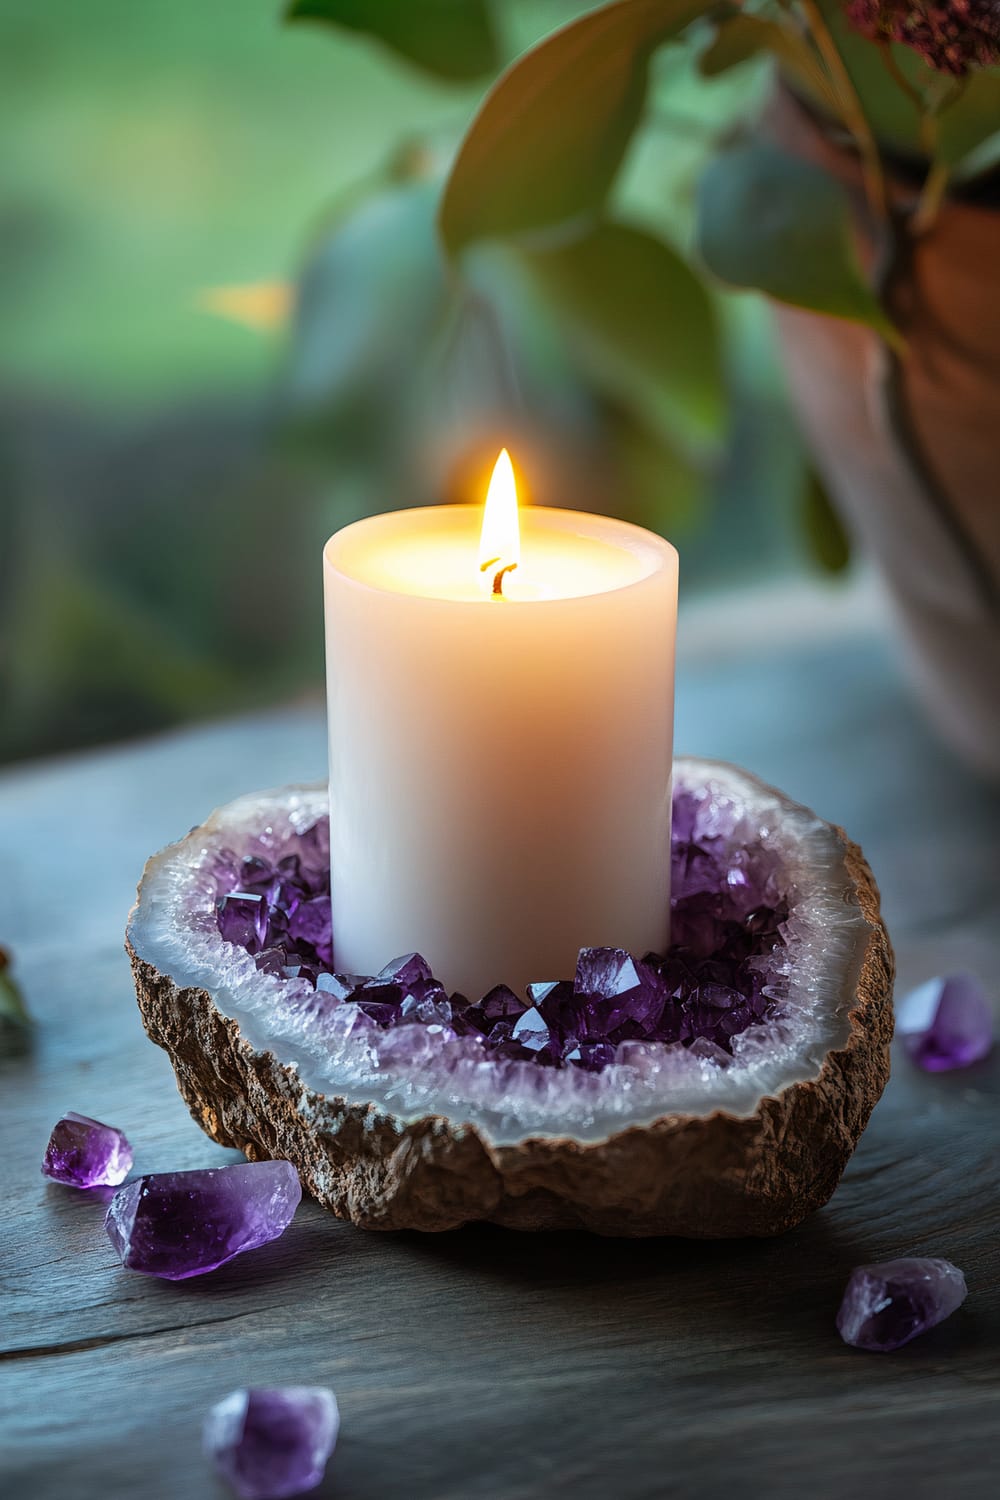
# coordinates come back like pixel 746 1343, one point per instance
pixel 888 1304
pixel 84 1153
pixel 267 1443
pixel 946 1023
pixel 180 1224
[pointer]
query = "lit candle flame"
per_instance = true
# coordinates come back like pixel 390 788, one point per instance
pixel 500 539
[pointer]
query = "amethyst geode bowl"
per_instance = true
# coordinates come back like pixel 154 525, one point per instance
pixel 715 1090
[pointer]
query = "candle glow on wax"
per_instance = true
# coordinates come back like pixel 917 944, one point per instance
pixel 500 538
pixel 500 691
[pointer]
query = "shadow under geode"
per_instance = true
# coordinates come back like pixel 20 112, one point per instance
pixel 656 1281
pixel 697 1295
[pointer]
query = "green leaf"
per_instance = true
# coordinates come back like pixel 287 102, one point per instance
pixel 370 298
pixel 741 37
pixel 452 39
pixel 551 133
pixel 737 39
pixel 825 536
pixel 658 485
pixel 642 323
pixel 967 126
pixel 783 226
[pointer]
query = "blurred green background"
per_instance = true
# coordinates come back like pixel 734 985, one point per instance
pixel 173 455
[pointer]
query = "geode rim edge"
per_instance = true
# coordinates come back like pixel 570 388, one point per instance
pixel 706 1174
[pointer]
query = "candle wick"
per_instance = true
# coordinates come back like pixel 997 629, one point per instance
pixel 498 580
pixel 498 576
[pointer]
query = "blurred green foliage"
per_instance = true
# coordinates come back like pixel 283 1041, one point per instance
pixel 454 39
pixel 538 294
pixel 963 126
pixel 150 150
pixel 167 478
pixel 802 251
pixel 15 1019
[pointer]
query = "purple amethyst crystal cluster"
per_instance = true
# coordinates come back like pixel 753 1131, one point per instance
pixel 717 979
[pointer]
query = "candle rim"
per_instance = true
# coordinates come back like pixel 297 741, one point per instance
pixel 662 554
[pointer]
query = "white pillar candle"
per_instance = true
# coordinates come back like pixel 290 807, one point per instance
pixel 500 739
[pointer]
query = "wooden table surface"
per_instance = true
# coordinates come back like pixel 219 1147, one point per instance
pixel 483 1365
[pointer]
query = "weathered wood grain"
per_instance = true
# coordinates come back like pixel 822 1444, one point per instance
pixel 483 1365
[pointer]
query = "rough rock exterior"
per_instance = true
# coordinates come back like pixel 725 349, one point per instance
pixel 708 1176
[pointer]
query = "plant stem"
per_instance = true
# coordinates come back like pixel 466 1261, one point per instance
pixel 938 172
pixel 901 81
pixel 895 257
pixel 853 113
pixel 930 200
pixel 950 93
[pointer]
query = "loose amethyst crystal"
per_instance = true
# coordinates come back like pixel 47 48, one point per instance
pixel 728 913
pixel 180 1224
pixel 888 1304
pixel 83 1153
pixel 946 1023
pixel 269 1443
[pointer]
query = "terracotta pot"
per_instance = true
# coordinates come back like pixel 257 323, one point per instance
pixel 939 546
